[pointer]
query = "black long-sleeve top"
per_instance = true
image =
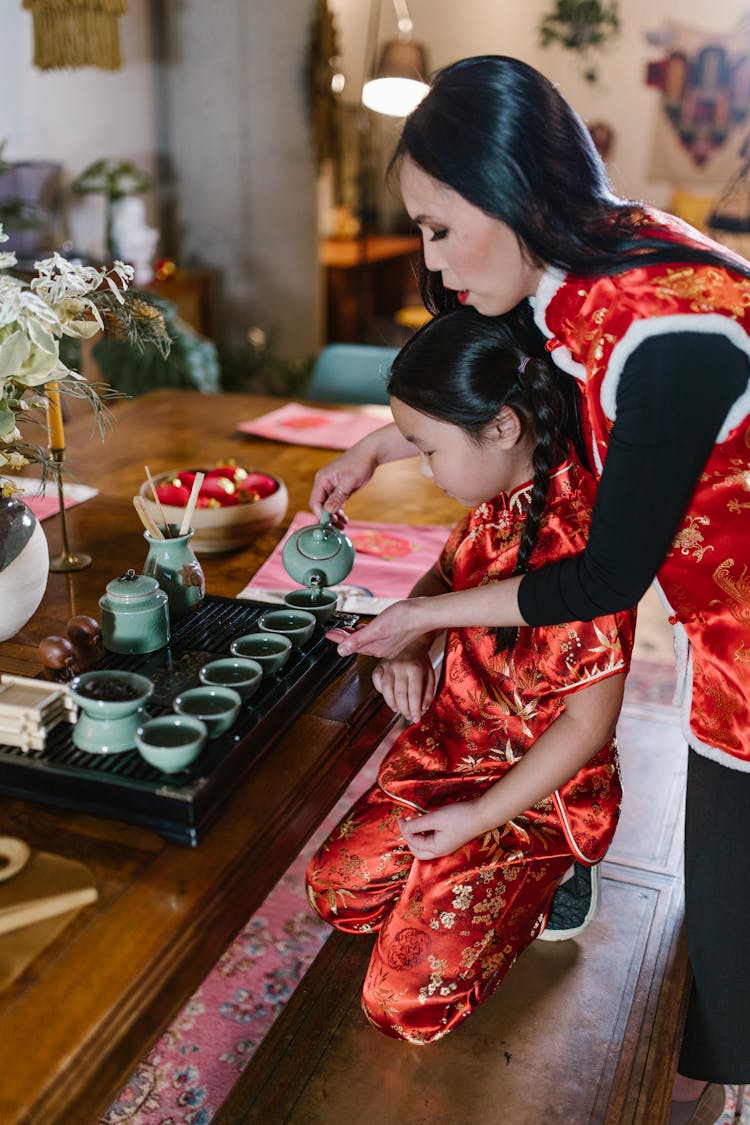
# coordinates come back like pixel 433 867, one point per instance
pixel 674 394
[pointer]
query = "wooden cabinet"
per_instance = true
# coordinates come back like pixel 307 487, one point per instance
pixel 190 292
pixel 366 279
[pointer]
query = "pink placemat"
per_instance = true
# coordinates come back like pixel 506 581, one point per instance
pixel 390 558
pixel 46 504
pixel 296 424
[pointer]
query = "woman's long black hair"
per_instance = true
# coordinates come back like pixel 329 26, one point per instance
pixel 500 134
pixel 463 368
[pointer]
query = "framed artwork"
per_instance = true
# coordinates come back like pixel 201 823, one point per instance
pixel 704 115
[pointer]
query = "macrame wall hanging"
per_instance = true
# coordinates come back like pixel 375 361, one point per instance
pixel 75 33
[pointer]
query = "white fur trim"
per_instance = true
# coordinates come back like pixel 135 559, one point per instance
pixel 551 281
pixel 650 327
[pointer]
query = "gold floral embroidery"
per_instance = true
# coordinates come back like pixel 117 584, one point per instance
pixel 738 589
pixel 742 654
pixel 720 725
pixel 689 540
pixel 705 288
pixel 738 477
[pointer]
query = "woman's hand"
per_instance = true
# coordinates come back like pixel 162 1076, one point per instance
pixel 442 831
pixel 397 628
pixel 407 682
pixel 404 622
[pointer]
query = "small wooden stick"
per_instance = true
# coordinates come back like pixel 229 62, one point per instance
pixel 157 501
pixel 190 506
pixel 145 518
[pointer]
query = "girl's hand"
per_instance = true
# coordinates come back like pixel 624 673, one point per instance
pixel 407 683
pixel 397 628
pixel 442 831
pixel 335 482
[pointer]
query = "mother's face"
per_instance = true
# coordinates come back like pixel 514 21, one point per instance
pixel 478 256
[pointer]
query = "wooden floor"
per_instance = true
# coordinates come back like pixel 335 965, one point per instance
pixel 581 1032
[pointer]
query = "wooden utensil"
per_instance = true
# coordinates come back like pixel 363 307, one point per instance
pixel 157 501
pixel 190 506
pixel 145 518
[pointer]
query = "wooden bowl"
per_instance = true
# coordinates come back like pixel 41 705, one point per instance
pixel 222 529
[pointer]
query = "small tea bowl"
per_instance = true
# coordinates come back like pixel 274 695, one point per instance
pixel 171 742
pixel 110 694
pixel 217 707
pixel 111 709
pixel 270 650
pixel 238 672
pixel 320 603
pixel 296 624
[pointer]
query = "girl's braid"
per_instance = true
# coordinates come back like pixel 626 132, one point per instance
pixel 537 398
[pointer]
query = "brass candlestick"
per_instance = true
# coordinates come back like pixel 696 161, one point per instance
pixel 67 560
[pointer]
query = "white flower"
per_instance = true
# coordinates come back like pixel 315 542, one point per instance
pixel 60 301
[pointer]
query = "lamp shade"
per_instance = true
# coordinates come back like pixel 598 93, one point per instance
pixel 398 85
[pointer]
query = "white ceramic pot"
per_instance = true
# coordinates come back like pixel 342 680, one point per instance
pixel 24 565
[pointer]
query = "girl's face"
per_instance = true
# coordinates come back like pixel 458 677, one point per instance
pixel 478 256
pixel 465 470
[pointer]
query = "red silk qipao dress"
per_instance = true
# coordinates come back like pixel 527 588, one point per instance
pixel 594 325
pixel 448 929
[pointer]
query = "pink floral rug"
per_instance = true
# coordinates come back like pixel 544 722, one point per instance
pixel 191 1069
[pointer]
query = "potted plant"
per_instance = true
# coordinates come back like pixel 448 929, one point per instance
pixel 581 26
pixel 115 180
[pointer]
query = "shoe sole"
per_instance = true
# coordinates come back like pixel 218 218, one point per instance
pixel 574 931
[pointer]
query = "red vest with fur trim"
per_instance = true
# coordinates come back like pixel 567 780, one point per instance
pixel 595 325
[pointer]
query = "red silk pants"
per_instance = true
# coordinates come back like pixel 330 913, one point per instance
pixel 448 929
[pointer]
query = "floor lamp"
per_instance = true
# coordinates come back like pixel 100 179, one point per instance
pixel 394 84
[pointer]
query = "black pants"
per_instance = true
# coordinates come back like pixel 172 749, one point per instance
pixel 716 1043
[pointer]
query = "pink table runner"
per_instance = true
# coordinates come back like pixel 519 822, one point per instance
pixel 390 559
pixel 46 504
pixel 307 425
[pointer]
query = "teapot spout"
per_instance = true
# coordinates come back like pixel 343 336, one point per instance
pixel 316 580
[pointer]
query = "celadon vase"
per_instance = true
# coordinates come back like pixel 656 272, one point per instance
pixel 173 564
pixel 24 565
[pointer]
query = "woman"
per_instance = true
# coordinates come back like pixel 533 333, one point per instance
pixel 515 211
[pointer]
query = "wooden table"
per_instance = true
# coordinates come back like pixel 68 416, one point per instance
pixel 89 1007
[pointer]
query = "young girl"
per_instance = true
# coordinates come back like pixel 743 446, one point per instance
pixel 509 770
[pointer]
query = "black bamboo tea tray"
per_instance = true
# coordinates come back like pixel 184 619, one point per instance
pixel 178 806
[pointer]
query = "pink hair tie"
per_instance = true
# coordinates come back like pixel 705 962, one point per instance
pixel 524 361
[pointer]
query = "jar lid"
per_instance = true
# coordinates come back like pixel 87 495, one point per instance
pixel 132 587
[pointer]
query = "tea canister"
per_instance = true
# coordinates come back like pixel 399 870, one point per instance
pixel 172 562
pixel 134 614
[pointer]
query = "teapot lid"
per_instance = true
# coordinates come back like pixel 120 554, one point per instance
pixel 131 587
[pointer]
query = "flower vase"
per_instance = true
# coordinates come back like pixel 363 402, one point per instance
pixel 24 565
pixel 173 564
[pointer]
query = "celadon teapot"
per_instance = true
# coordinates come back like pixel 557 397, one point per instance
pixel 319 555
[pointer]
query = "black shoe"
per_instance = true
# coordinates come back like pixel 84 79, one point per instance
pixel 574 905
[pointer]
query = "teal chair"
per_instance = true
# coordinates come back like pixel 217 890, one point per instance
pixel 351 373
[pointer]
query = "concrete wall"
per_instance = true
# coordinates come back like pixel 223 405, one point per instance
pixel 212 96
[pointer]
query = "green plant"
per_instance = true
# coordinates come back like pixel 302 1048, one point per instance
pixel 582 26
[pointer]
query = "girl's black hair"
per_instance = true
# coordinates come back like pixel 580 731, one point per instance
pixel 463 368
pixel 501 135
